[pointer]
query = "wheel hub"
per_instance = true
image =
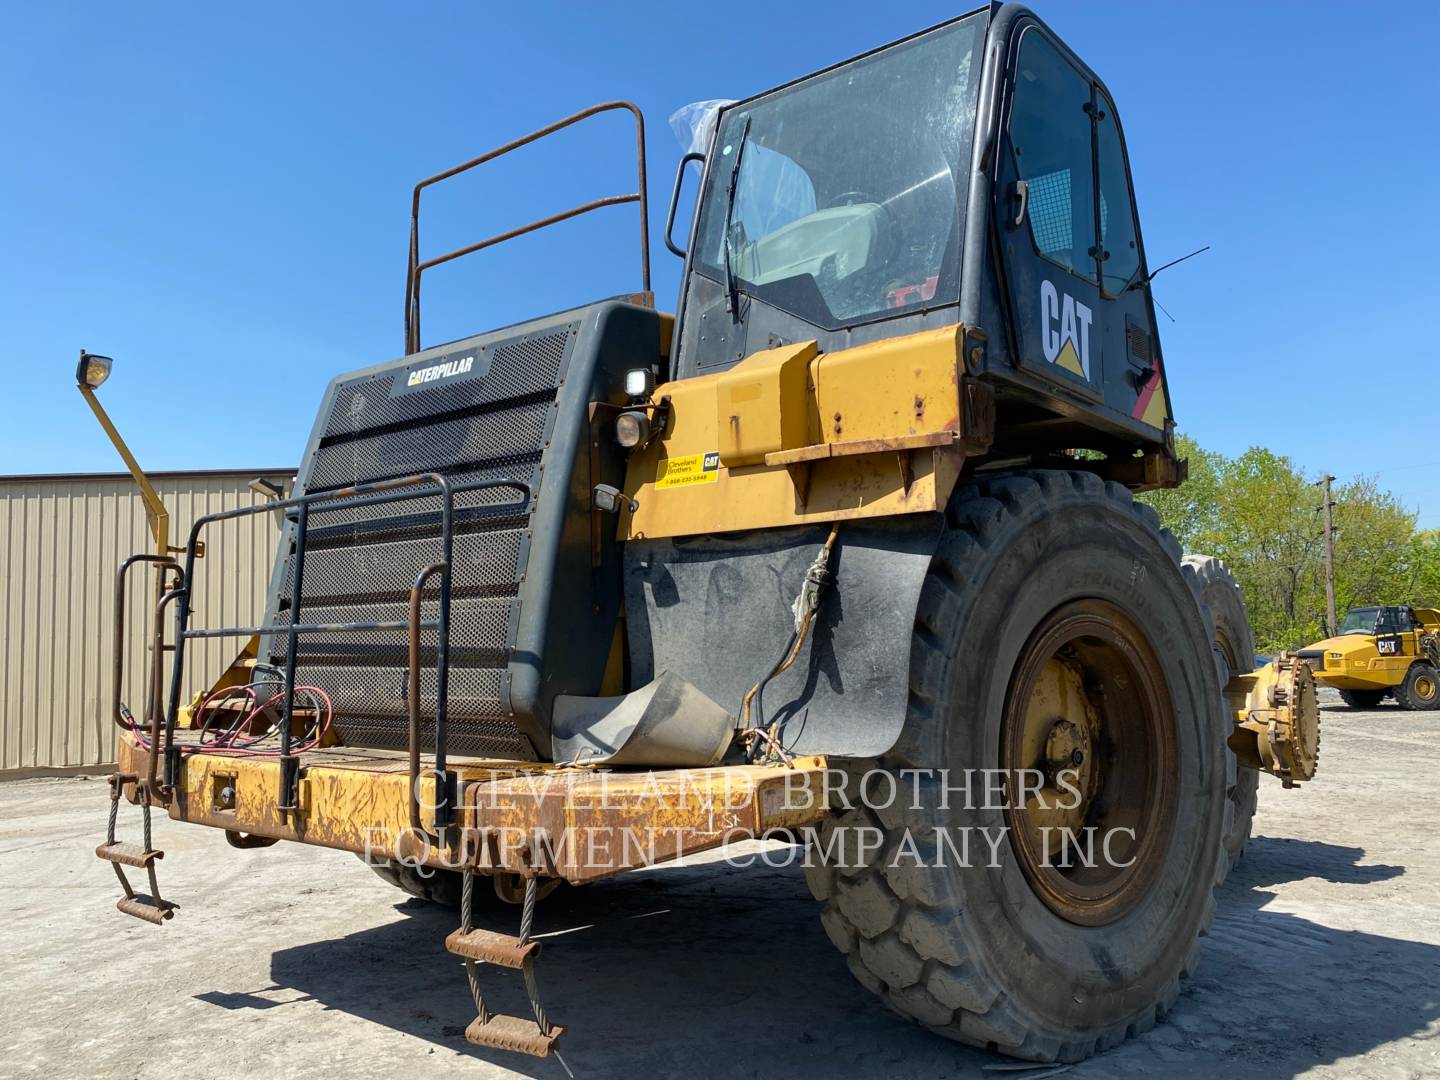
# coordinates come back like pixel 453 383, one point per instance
pixel 1089 753
pixel 1066 747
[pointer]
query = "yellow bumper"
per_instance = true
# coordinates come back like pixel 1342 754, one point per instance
pixel 516 817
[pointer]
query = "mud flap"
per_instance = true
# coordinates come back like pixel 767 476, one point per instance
pixel 718 608
pixel 667 723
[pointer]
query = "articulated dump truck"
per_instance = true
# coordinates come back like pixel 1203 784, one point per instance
pixel 1380 652
pixel 843 553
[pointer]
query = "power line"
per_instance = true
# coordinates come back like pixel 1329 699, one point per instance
pixel 1398 468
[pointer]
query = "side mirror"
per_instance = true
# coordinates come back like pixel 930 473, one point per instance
pixel 675 200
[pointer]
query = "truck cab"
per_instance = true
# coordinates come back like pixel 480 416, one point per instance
pixel 1383 651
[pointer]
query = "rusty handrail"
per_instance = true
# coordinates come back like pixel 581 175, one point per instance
pixel 413 692
pixel 376 491
pixel 152 692
pixel 416 267
pixel 156 718
pixel 361 494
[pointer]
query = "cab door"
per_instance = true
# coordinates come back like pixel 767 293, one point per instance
pixel 1045 206
pixel 1129 346
pixel 1390 632
pixel 1070 239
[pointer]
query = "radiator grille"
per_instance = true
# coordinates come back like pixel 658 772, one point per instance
pixel 360 561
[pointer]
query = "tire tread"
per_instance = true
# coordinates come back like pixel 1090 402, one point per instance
pixel 890 921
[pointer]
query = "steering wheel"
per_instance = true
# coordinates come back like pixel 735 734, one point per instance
pixel 852 198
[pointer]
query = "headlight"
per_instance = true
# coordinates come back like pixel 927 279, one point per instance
pixel 632 429
pixel 639 382
pixel 93 370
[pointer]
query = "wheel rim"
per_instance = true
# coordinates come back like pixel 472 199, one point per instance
pixel 1425 688
pixel 1087 744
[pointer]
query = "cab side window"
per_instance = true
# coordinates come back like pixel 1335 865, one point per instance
pixel 1119 250
pixel 1050 137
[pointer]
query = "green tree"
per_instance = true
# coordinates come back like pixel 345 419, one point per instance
pixel 1423 561
pixel 1373 535
pixel 1260 512
pixel 1267 529
pixel 1189 510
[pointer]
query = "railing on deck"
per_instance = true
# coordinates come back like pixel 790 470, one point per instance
pixel 421 485
pixel 416 267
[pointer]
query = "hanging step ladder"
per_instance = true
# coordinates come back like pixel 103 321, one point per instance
pixel 152 908
pixel 475 946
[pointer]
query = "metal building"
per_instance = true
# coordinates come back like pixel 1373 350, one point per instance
pixel 61 539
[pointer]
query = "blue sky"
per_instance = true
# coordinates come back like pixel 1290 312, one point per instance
pixel 217 195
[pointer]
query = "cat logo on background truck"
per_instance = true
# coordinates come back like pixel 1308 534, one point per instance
pixel 1065 330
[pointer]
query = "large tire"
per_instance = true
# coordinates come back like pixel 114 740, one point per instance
pixel 972 951
pixel 1363 699
pixel 1421 688
pixel 1233 646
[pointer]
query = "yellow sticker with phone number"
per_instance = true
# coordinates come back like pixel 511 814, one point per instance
pixel 688 471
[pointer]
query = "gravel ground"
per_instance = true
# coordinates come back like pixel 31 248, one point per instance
pixel 292 962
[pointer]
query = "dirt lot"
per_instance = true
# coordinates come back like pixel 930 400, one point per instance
pixel 288 962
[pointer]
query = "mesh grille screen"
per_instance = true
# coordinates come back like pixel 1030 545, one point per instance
pixel 517 370
pixel 498 433
pixel 1139 342
pixel 361 561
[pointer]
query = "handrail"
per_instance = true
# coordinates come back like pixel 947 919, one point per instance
pixel 152 691
pixel 155 718
pixel 365 494
pixel 416 267
pixel 675 200
pixel 413 690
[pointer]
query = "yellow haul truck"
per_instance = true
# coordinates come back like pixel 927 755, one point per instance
pixel 816 557
pixel 1382 652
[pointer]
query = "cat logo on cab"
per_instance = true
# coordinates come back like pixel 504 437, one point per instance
pixel 1065 330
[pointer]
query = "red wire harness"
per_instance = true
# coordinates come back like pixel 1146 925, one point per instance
pixel 237 739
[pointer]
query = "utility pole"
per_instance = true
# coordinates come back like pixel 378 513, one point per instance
pixel 1331 625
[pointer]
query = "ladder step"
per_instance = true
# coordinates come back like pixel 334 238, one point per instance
pixel 129 854
pixel 143 907
pixel 513 1033
pixel 492 948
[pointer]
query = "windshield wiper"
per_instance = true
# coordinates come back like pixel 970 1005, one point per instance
pixel 732 286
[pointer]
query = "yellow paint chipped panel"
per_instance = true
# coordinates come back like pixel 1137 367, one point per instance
pixel 576 824
pixel 764 404
pixel 893 389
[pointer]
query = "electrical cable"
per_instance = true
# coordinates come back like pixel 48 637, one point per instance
pixel 807 604
pixel 233 739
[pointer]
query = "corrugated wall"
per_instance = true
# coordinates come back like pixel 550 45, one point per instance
pixel 61 540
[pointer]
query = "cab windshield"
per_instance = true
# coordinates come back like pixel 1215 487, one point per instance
pixel 1359 621
pixel 839 198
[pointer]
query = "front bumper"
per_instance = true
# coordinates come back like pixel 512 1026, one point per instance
pixel 512 817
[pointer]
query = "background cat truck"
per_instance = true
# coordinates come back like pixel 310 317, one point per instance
pixel 1382 652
